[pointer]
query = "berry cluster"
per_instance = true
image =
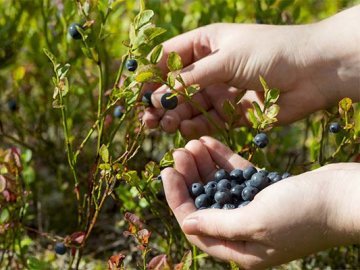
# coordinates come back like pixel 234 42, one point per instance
pixel 233 190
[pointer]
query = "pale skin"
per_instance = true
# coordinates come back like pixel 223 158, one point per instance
pixel 314 66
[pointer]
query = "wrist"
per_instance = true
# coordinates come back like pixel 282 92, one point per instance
pixel 334 56
pixel 343 200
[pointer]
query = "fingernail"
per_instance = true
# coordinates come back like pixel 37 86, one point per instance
pixel 190 225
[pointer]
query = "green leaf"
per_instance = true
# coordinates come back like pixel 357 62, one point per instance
pixel 186 260
pixel 171 79
pixel 174 62
pixel 51 57
pixel 258 110
pixel 273 111
pixel 104 153
pixel 252 118
pixel 234 266
pixel 4 216
pixel 228 109
pixel 157 54
pixel 272 95
pixel 264 84
pixel 143 18
pixel 35 264
pixel 153 32
pixel 192 90
pixel 345 104
pixel 167 160
pixel 148 73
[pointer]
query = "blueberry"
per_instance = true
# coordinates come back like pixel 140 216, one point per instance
pixel 12 105
pixel 265 172
pixel 202 208
pixel 211 188
pixel 237 174
pixel 237 190
pixel 259 180
pixel 243 204
pixel 202 200
pixel 234 183
pixel 272 175
pixel 197 189
pixel 223 197
pixel 146 99
pixel 248 172
pixel 276 178
pixel 228 206
pixel 73 31
pixel 60 248
pixel 221 174
pixel 159 177
pixel 334 127
pixel 285 175
pixel 223 184
pixel 118 111
pixel 216 206
pixel 261 140
pixel 169 101
pixel 131 64
pixel 249 193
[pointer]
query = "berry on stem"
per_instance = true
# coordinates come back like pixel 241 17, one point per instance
pixel 131 65
pixel 118 111
pixel 261 140
pixel 334 127
pixel 169 101
pixel 146 99
pixel 73 31
pixel 12 105
pixel 60 248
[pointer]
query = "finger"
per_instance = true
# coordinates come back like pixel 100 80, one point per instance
pixel 203 160
pixel 185 164
pixel 191 46
pixel 177 194
pixel 152 117
pixel 200 125
pixel 223 155
pixel 171 120
pixel 231 225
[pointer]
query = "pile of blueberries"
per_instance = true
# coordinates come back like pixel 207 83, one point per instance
pixel 233 190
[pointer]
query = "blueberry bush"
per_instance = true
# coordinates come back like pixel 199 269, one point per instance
pixel 79 172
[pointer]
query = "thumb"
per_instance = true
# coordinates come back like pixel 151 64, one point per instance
pixel 217 223
pixel 204 72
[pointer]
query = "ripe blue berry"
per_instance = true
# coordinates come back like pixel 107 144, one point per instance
pixel 272 175
pixel 211 188
pixel 259 180
pixel 159 177
pixel 276 178
pixel 237 190
pixel 334 127
pixel 223 184
pixel 243 204
pixel 169 101
pixel 222 197
pixel 118 111
pixel 73 31
pixel 228 206
pixel 285 175
pixel 261 140
pixel 12 105
pixel 216 206
pixel 221 174
pixel 60 248
pixel 237 174
pixel 249 193
pixel 197 189
pixel 146 99
pixel 202 200
pixel 131 65
pixel 248 172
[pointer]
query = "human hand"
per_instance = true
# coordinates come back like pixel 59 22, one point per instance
pixel 287 220
pixel 227 59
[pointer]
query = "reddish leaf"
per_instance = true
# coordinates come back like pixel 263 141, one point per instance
pixel 158 263
pixel 132 218
pixel 75 239
pixel 143 236
pixel 115 261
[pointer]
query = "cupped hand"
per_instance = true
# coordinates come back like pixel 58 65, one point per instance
pixel 287 220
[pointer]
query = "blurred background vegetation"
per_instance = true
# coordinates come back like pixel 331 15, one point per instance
pixel 43 207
